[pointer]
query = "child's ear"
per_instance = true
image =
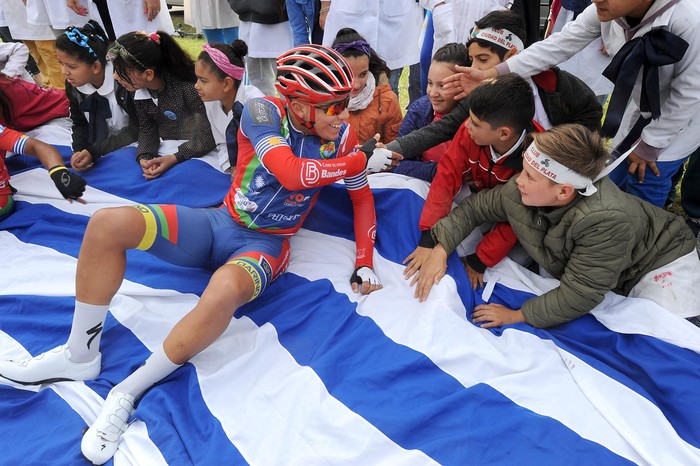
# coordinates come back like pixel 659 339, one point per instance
pixel 505 132
pixel 228 84
pixel 566 192
pixel 510 53
pixel 96 67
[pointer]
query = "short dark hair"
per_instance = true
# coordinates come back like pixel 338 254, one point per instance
pixel 574 146
pixel 500 19
pixel 505 100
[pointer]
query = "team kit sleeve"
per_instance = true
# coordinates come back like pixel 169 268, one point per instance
pixel 445 185
pixel 11 140
pixel 362 204
pixel 260 123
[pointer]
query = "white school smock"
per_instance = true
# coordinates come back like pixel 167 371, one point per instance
pixel 20 28
pixel 676 131
pixel 392 27
pixel 128 16
pixel 53 13
pixel 119 118
pixel 210 14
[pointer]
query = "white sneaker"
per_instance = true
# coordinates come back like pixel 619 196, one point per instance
pixel 52 366
pixel 101 440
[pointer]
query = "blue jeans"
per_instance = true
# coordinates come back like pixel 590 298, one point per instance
pixel 301 20
pixel 426 51
pixel 222 36
pixel 654 189
pixel 414 92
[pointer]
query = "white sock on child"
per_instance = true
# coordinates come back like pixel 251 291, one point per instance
pixel 156 367
pixel 86 331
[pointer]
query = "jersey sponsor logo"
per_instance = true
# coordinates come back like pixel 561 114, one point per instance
pixel 311 174
pixel 261 112
pixel 243 203
pixel 372 232
pixel 327 150
pixel 253 272
pixel 266 268
pixel 295 200
pixel 283 217
pixel 361 253
pixel 333 173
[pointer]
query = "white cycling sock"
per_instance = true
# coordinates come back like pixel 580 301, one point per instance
pixel 156 367
pixel 86 331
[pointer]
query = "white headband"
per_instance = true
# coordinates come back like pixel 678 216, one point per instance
pixel 557 172
pixel 500 37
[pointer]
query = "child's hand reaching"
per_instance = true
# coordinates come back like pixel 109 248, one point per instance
pixel 431 273
pixel 153 168
pixel 476 279
pixel 495 315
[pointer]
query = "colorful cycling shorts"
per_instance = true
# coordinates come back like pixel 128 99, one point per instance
pixel 211 238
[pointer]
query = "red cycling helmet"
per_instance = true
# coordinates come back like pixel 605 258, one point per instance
pixel 313 73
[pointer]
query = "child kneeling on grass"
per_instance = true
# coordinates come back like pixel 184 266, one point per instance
pixel 588 234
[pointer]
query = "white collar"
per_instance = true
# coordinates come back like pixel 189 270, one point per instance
pixel 496 157
pixel 107 86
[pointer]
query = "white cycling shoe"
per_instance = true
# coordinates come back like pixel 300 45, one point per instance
pixel 101 440
pixel 52 366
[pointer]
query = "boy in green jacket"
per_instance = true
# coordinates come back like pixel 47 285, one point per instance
pixel 588 234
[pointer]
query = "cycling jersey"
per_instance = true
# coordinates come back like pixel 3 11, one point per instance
pixel 280 172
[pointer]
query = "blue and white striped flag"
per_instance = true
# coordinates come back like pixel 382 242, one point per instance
pixel 313 374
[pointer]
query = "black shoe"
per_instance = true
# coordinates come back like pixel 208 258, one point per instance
pixel 694 225
pixel 694 320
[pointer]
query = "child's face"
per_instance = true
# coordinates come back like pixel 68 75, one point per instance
pixel 360 68
pixel 77 72
pixel 482 58
pixel 482 132
pixel 536 190
pixel 139 79
pixel 611 9
pixel 437 73
pixel 209 85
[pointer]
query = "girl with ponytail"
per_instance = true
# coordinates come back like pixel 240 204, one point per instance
pixel 162 77
pixel 219 69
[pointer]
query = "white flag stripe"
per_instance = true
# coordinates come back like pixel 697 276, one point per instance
pixel 538 379
pixel 256 394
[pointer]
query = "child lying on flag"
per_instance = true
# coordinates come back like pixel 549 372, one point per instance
pixel 70 185
pixel 581 229
pixel 288 149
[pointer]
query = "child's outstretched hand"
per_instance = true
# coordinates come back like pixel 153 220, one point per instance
pixel 476 279
pixel 461 84
pixel 415 261
pixel 495 315
pixel 430 273
pixel 638 165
